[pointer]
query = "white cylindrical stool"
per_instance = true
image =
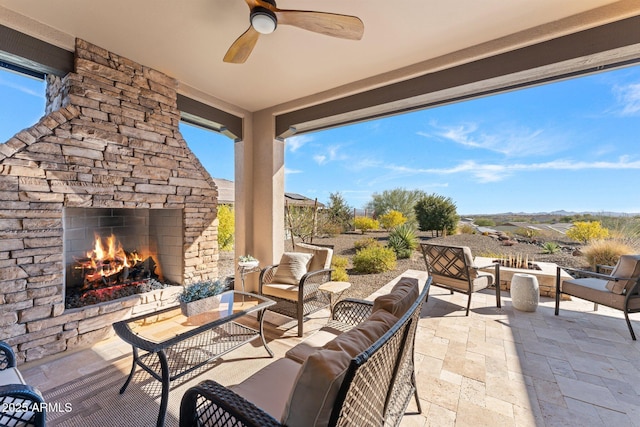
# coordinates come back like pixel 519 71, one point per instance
pixel 525 293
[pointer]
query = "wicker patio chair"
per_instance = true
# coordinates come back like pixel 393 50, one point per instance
pixel 452 268
pixel 22 405
pixel 619 289
pixel 295 296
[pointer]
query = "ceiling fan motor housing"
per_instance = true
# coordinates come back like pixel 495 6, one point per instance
pixel 263 20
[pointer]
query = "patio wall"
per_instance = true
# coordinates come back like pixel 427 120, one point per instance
pixel 110 139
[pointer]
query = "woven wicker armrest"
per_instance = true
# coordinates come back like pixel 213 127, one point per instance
pixel 7 357
pixel 352 311
pixel 211 404
pixel 266 274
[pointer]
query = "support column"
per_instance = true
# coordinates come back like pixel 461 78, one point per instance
pixel 259 193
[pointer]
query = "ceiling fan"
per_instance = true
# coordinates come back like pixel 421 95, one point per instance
pixel 265 17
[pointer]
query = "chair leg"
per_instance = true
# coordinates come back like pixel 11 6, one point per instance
pixel 595 306
pixel 468 304
pixel 557 290
pixel 415 392
pixel 626 317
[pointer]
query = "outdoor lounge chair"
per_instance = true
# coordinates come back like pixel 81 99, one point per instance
pixel 452 267
pixel 20 404
pixel 293 282
pixel 619 289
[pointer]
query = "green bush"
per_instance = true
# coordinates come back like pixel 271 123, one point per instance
pixel 392 219
pixel 606 252
pixel 365 243
pixel 466 229
pixel 526 232
pixel 374 260
pixel 585 231
pixel 550 248
pixel 226 227
pixel 403 241
pixel 484 222
pixel 339 265
pixel 437 213
pixel 365 224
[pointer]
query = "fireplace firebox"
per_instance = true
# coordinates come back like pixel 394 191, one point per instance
pixel 114 253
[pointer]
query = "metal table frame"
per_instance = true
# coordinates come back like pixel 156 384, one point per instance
pixel 192 349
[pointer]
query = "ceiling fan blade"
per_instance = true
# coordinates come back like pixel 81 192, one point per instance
pixel 253 3
pixel 242 47
pixel 330 24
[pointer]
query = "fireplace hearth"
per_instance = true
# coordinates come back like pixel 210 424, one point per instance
pixel 115 253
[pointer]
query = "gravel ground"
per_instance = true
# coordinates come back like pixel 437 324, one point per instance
pixel 363 285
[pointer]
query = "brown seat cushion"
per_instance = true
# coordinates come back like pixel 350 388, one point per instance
pixel 269 388
pixel 400 299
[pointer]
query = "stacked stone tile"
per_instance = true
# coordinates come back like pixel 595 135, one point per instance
pixel 110 138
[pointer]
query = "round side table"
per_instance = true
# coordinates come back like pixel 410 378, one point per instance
pixel 525 293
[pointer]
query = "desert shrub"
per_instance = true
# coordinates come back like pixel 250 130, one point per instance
pixel 466 229
pixel 365 243
pixel 327 228
pixel 403 240
pixel 365 224
pixel 392 219
pixel 374 260
pixel 226 227
pixel 550 248
pixel 484 222
pixel 585 231
pixel 339 265
pixel 606 252
pixel 398 199
pixel 526 232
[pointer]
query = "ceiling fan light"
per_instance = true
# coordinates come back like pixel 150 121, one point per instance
pixel 263 22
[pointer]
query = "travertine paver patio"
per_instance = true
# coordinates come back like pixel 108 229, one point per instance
pixel 494 368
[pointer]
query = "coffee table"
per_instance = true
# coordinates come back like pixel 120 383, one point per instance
pixel 174 345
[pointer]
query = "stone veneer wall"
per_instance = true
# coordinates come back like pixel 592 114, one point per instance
pixel 110 139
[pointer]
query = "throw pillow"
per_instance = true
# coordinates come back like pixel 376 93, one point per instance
pixel 292 266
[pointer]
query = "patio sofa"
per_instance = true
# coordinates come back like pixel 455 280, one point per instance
pixel 20 404
pixel 357 370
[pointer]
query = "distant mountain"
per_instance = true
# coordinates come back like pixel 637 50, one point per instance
pixel 560 213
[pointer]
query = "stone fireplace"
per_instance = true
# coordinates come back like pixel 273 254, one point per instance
pixel 106 159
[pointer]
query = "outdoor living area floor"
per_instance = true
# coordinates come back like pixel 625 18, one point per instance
pixel 497 367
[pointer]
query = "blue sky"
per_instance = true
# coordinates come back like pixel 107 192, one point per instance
pixel 570 145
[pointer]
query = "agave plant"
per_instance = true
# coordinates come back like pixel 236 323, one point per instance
pixel 550 248
pixel 403 240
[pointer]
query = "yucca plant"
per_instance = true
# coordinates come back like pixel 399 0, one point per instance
pixel 550 248
pixel 403 240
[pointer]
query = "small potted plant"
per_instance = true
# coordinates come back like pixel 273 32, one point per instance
pixel 247 261
pixel 201 296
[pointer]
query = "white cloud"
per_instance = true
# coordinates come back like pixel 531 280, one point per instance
pixel 508 140
pixel 288 171
pixel 331 154
pixel 295 142
pixel 22 88
pixel 498 172
pixel 628 97
pixel 320 159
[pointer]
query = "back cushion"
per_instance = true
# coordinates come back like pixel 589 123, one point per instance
pixel 292 266
pixel 400 299
pixel 314 394
pixel 321 256
pixel 627 266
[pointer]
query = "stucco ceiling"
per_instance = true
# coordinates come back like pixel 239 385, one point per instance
pixel 188 39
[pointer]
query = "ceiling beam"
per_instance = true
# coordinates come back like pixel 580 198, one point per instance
pixel 566 56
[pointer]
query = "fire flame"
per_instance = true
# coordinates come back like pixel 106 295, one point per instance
pixel 109 259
